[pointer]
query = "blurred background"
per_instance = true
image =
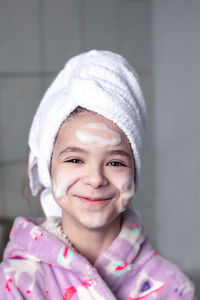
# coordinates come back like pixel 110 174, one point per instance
pixel 161 40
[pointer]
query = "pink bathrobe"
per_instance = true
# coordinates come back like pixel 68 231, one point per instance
pixel 37 265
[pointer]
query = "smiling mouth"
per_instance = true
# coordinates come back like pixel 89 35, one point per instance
pixel 94 201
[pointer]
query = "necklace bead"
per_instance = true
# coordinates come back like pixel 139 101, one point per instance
pixel 68 242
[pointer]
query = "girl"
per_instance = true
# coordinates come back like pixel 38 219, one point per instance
pixel 85 159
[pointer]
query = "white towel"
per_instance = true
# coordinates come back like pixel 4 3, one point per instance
pixel 101 81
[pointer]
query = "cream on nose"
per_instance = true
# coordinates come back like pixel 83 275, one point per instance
pixel 95 178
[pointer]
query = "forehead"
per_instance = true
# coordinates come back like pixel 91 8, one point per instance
pixel 79 120
pixel 67 136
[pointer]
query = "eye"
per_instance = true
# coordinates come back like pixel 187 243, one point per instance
pixel 116 164
pixel 74 161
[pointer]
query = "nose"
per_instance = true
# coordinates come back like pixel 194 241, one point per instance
pixel 95 178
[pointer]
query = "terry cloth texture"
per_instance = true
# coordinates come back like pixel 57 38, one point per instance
pixel 39 266
pixel 100 81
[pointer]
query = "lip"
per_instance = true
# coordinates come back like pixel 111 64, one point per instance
pixel 94 201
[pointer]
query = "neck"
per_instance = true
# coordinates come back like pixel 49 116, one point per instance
pixel 90 242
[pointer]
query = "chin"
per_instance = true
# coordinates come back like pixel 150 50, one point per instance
pixel 97 222
pixel 94 223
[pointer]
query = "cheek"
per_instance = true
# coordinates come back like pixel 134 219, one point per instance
pixel 61 183
pixel 126 187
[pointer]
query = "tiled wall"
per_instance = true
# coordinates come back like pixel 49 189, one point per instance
pixel 159 38
pixel 37 38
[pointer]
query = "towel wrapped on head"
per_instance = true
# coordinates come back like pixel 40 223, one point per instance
pixel 100 81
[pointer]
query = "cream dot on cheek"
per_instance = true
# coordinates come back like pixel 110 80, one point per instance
pixel 59 188
pixel 61 185
pixel 127 188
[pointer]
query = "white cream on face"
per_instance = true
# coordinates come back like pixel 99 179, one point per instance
pixel 127 188
pixel 98 133
pixel 73 181
pixel 62 183
pixel 93 221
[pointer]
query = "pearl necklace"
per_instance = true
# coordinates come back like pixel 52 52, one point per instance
pixel 54 226
pixel 68 242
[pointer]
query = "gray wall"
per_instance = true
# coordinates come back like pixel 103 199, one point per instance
pixel 176 69
pixel 161 40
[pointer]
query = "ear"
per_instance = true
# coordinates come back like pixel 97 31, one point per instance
pixel 35 184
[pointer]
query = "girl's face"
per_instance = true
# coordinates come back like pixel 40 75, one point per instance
pixel 92 170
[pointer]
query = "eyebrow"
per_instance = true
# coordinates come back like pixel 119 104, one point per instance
pixel 73 149
pixel 80 150
pixel 119 152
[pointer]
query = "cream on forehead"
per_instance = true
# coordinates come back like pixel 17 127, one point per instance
pixel 97 125
pixel 86 137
